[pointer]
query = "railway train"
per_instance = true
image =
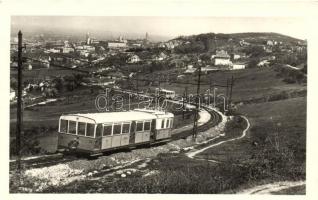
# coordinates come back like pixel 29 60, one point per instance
pixel 169 94
pixel 96 133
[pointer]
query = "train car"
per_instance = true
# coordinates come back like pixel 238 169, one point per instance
pixel 95 133
pixel 169 94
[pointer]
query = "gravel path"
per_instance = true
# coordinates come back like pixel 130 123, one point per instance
pixel 192 154
pixel 272 187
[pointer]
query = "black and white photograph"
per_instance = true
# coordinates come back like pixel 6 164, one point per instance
pixel 164 104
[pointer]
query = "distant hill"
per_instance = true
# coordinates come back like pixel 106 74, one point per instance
pixel 208 42
pixel 254 36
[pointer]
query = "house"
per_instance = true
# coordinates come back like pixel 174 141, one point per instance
pixel 208 68
pixel 133 59
pixel 116 44
pixel 263 63
pixel 237 66
pixel 221 58
pixel 244 43
pixel 270 43
pixel 190 70
pixel 236 56
pixel 160 57
pixel 53 50
pixel 67 50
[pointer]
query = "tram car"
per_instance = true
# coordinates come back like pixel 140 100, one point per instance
pixel 95 133
pixel 169 94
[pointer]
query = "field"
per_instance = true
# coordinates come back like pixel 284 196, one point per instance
pixel 249 84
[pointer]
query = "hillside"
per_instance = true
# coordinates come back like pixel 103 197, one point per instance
pixel 234 42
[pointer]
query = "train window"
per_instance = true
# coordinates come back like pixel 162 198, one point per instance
pixel 63 126
pixel 171 123
pixel 140 126
pixel 99 130
pixel 168 123
pixel 107 129
pixel 163 123
pixel 117 129
pixel 72 127
pixel 90 130
pixel 147 126
pixel 126 127
pixel 81 128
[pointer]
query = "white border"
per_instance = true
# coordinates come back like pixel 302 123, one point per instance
pixel 287 8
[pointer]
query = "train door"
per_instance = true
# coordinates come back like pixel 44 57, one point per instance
pixel 147 129
pixel 132 132
pixel 125 130
pixel 139 132
pixel 107 136
pixel 152 131
pixel 116 140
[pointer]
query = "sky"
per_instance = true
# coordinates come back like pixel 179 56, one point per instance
pixel 162 26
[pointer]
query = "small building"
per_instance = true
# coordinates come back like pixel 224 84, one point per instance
pixel 133 59
pixel 190 70
pixel 54 50
pixel 221 58
pixel 116 44
pixel 263 63
pixel 67 50
pixel 237 56
pixel 237 66
pixel 208 68
pixel 160 57
pixel 270 43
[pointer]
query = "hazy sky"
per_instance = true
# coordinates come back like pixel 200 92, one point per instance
pixel 165 26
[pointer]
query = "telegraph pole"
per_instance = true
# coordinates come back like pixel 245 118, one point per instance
pixel 210 89
pixel 137 84
pixel 195 122
pixel 227 92
pixel 158 93
pixel 232 83
pixel 19 104
pixel 185 94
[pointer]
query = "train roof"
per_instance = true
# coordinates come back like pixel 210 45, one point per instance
pixel 158 113
pixel 165 90
pixel 109 117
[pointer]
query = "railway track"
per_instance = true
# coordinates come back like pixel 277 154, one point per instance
pixel 214 120
pixel 49 160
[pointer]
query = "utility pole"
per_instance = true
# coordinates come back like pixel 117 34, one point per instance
pixel 137 84
pixel 158 93
pixel 19 128
pixel 232 83
pixel 227 92
pixel 195 122
pixel 185 94
pixel 210 89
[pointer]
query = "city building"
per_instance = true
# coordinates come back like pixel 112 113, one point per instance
pixel 221 58
pixel 116 44
pixel 237 66
pixel 133 59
